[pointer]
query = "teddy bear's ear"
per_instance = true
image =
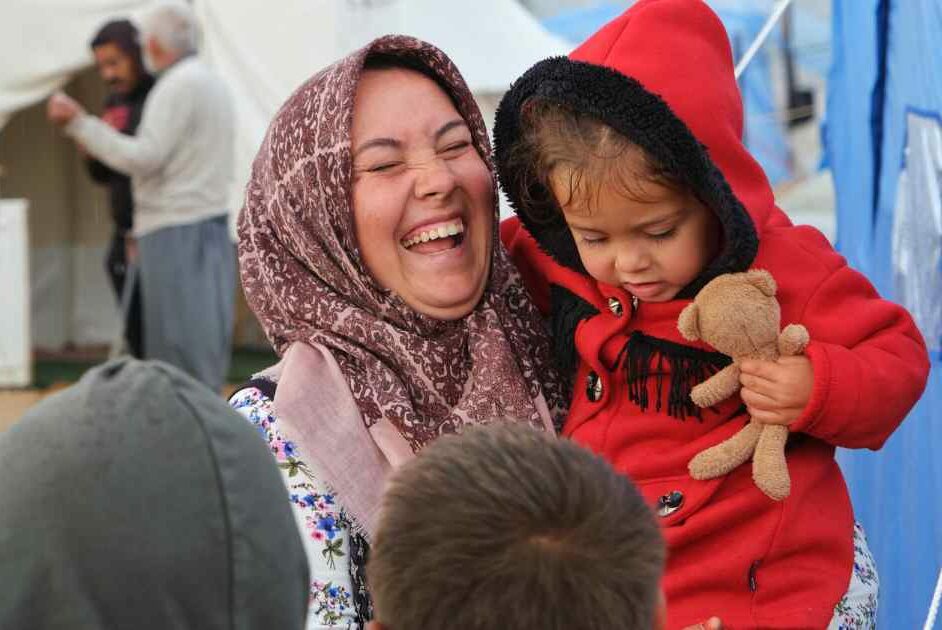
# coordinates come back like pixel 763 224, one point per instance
pixel 763 281
pixel 689 322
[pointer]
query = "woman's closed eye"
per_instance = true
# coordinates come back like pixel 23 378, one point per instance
pixel 454 149
pixel 383 167
pixel 391 166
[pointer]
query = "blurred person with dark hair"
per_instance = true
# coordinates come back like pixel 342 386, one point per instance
pixel 137 499
pixel 181 167
pixel 120 65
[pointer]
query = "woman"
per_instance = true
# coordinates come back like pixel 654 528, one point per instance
pixel 368 250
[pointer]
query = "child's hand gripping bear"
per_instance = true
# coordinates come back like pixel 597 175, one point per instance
pixel 739 316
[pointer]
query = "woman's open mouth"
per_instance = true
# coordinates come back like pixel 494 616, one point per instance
pixel 439 237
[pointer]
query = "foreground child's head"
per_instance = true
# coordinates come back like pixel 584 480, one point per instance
pixel 507 527
pixel 635 223
pixel 137 498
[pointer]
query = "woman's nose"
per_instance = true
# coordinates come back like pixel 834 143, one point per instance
pixel 434 178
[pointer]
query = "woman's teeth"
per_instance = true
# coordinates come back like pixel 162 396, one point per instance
pixel 441 231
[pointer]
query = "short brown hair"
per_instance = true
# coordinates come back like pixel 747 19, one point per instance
pixel 507 527
pixel 555 136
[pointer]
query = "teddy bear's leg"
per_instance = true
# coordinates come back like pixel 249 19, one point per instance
pixel 725 456
pixel 718 387
pixel 769 468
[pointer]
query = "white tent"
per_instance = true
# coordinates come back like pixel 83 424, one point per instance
pixel 44 42
pixel 263 50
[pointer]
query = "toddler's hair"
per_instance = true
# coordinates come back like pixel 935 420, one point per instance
pixel 558 140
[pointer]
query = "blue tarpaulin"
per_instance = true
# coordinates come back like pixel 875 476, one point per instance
pixel 883 142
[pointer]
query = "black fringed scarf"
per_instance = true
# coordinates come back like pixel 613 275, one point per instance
pixel 641 357
pixel 644 357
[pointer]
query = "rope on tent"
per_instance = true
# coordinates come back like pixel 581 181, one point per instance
pixel 934 607
pixel 770 23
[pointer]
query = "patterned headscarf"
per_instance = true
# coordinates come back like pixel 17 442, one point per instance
pixel 412 377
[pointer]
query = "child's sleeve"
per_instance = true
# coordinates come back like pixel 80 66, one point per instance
pixel 869 359
pixel 524 252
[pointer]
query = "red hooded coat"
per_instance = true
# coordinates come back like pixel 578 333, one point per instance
pixel 662 74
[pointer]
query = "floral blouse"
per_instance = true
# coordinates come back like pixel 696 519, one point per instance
pixel 325 528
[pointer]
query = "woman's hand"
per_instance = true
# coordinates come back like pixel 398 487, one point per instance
pixel 777 392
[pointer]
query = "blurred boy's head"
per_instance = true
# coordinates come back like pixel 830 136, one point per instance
pixel 507 527
pixel 635 223
pixel 137 498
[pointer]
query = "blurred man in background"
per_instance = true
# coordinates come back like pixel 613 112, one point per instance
pixel 120 65
pixel 181 168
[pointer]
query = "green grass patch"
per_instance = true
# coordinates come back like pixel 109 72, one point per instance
pixel 244 364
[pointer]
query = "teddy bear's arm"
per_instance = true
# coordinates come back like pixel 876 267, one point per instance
pixel 793 340
pixel 718 387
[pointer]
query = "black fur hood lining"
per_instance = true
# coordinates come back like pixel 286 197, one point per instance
pixel 644 118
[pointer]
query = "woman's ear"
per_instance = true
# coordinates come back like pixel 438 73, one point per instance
pixel 688 323
pixel 374 625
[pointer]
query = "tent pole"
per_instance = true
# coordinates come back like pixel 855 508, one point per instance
pixel 770 23
pixel 934 607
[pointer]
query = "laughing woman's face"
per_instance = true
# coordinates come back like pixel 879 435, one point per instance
pixel 423 198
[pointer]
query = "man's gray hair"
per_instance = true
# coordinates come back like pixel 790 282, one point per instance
pixel 174 26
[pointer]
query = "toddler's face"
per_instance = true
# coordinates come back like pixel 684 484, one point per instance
pixel 652 245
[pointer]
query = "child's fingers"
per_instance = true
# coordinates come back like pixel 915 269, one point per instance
pixel 760 371
pixel 757 367
pixel 767 416
pixel 758 400
pixel 759 384
pixel 792 361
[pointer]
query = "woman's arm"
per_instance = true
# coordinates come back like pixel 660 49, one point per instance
pixel 325 529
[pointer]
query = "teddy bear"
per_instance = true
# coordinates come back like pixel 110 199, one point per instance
pixel 738 314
